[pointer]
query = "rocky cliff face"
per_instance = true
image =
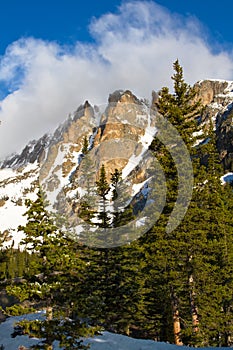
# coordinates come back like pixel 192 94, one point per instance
pixel 118 136
pixel 217 97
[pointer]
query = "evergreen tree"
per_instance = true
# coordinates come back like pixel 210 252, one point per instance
pixel 169 286
pixel 53 280
pixel 102 185
pixel 4 256
pixel 209 261
pixel 180 108
pixel 87 209
pixel 188 265
pixel 167 252
pixel 85 146
pixel 115 178
pixel 121 216
pixel 114 281
pixel 103 189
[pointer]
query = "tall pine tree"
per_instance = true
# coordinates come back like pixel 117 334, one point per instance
pixel 54 280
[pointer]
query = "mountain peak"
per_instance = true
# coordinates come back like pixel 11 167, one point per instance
pixel 118 137
pixel 211 90
pixel 123 97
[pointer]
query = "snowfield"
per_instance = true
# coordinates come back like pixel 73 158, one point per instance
pixel 106 341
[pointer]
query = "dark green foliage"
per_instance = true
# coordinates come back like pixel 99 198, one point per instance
pixel 18 309
pixel 65 331
pixel 102 185
pixel 114 286
pixel 180 107
pixel 184 266
pixel 86 212
pixel 53 280
pixel 114 289
pixel 14 264
pixel 115 178
pixel 174 287
pixel 209 263
pixel 85 145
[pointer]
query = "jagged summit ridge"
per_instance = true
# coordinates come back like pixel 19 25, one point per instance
pixel 118 133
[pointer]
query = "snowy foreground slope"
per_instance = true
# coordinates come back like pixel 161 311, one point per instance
pixel 106 341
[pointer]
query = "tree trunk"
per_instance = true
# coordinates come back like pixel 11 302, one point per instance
pixel 126 329
pixel 176 319
pixel 49 313
pixel 194 311
pixel 49 317
pixel 176 327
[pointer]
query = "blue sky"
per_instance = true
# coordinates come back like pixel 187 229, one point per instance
pixel 67 20
pixel 55 54
pixel 216 16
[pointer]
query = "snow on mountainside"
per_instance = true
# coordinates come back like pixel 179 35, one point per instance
pixel 217 97
pixel 15 186
pixel 118 135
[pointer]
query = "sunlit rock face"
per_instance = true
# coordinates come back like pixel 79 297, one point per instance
pixel 210 91
pixel 217 97
pixel 118 135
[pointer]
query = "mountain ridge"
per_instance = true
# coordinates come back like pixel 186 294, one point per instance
pixel 119 135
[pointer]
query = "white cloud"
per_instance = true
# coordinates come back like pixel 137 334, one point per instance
pixel 134 49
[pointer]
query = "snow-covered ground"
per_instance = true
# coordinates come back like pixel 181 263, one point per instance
pixel 110 341
pixel 227 178
pixel 106 341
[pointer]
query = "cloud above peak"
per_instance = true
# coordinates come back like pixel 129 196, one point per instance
pixel 136 19
pixel 132 49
